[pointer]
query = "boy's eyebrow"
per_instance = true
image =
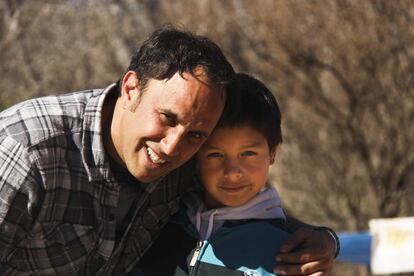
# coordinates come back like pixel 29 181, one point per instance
pixel 253 144
pixel 210 147
pixel 249 145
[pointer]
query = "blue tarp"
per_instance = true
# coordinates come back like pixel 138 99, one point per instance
pixel 355 248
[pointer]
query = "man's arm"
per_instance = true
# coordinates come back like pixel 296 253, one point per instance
pixel 17 198
pixel 309 251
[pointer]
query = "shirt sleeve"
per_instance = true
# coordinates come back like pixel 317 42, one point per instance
pixel 20 187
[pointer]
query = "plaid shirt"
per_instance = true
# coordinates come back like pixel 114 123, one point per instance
pixel 58 196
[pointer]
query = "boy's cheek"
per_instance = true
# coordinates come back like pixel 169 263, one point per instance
pixel 210 166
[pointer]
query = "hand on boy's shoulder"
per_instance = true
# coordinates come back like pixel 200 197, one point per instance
pixel 306 252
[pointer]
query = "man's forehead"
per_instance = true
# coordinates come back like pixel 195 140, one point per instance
pixel 200 74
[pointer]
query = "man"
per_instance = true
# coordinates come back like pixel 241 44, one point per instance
pixel 88 179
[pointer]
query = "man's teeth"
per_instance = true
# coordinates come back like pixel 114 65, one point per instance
pixel 154 157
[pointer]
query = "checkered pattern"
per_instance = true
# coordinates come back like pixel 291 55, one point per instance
pixel 58 195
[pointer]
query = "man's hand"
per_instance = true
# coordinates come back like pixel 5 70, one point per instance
pixel 307 252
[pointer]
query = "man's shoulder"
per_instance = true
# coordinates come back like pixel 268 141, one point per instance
pixel 35 120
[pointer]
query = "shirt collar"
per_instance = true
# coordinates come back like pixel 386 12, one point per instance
pixel 94 157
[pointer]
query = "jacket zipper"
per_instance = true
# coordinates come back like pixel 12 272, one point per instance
pixel 195 257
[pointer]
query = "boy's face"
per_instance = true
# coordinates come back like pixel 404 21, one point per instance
pixel 234 165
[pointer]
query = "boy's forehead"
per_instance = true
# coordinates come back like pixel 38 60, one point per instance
pixel 244 134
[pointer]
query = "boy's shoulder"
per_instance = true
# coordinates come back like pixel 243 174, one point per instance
pixel 246 245
pixel 253 234
pixel 270 224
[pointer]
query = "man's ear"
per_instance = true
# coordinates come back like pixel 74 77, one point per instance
pixel 130 91
pixel 273 154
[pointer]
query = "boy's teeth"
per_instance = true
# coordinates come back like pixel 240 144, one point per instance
pixel 154 157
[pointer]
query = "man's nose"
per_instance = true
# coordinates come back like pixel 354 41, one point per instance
pixel 170 144
pixel 232 169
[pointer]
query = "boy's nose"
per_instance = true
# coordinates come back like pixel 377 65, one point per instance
pixel 232 170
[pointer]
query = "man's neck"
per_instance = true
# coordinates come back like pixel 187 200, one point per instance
pixel 108 123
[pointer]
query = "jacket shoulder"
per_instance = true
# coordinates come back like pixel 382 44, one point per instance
pixel 249 245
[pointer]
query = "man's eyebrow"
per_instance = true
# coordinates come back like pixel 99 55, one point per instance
pixel 172 115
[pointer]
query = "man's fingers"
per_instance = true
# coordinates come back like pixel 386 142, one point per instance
pixel 305 253
pixel 297 238
pixel 320 273
pixel 324 272
pixel 302 256
pixel 311 268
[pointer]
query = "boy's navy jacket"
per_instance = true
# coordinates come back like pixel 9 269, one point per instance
pixel 242 247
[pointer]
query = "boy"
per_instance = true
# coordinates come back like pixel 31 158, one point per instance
pixel 236 224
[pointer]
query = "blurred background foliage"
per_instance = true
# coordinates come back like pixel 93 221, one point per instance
pixel 343 72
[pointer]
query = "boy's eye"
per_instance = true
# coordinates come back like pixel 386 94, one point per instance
pixel 249 153
pixel 214 155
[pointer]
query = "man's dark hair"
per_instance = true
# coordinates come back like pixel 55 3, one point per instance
pixel 169 50
pixel 250 103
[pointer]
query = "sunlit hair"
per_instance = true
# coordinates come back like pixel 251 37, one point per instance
pixel 169 50
pixel 250 103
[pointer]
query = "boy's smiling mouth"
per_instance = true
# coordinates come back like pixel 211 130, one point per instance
pixel 233 189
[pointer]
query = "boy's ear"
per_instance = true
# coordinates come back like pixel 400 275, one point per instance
pixel 272 155
pixel 130 91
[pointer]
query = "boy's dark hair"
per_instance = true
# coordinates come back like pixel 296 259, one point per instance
pixel 249 102
pixel 169 50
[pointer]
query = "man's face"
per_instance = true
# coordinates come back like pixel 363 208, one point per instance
pixel 159 129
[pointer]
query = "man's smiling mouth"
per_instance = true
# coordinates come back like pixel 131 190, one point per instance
pixel 154 157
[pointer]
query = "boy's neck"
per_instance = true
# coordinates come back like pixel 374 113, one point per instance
pixel 210 203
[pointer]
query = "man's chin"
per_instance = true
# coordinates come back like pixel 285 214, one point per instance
pixel 146 177
pixel 150 171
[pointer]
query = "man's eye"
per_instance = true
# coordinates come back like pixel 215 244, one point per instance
pixel 249 153
pixel 197 136
pixel 171 120
pixel 214 155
